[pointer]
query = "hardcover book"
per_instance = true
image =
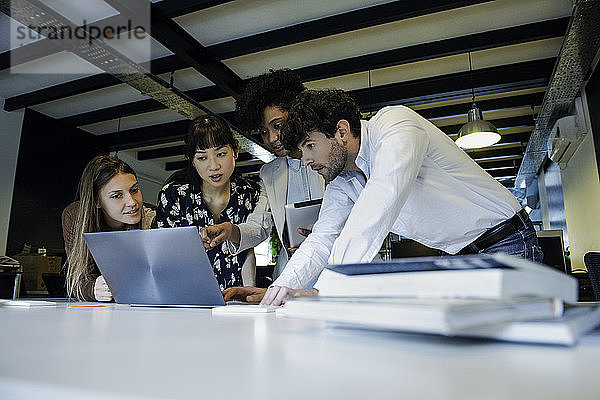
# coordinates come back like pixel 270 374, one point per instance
pixel 497 276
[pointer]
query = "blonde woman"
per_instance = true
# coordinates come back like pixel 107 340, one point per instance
pixel 109 199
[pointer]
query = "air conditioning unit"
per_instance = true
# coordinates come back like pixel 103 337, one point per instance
pixel 566 135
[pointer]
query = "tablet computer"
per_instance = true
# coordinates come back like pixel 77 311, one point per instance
pixel 167 266
pixel 303 215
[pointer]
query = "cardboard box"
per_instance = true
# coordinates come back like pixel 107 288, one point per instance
pixel 33 268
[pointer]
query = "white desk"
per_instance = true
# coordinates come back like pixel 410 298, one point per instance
pixel 132 353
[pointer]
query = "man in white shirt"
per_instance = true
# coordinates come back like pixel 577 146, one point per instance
pixel 396 173
pixel 262 107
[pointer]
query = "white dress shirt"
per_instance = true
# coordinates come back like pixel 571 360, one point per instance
pixel 419 184
pixel 283 181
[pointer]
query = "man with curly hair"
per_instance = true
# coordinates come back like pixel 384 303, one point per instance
pixel 396 173
pixel 262 108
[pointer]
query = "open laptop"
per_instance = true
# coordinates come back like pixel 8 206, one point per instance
pixel 156 266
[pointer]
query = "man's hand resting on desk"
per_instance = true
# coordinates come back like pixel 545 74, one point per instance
pixel 244 293
pixel 276 295
pixel 101 290
pixel 214 235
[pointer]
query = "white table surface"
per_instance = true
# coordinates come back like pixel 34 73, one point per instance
pixel 117 352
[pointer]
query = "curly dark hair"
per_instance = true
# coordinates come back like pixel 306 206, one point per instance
pixel 319 110
pixel 275 88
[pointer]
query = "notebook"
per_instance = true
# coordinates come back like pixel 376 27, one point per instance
pixel 156 266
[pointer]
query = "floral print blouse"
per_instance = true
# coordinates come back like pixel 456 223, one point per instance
pixel 180 205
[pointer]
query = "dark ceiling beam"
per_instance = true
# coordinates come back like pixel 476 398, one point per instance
pixel 517 137
pixel 440 48
pixel 177 8
pixel 60 91
pixel 248 169
pixel 487 80
pixel 489 162
pixel 345 22
pixel 170 151
pixel 118 111
pixel 463 94
pixel 245 156
pixel 174 165
pixel 510 101
pixel 83 85
pixel 145 136
pixel 501 164
pixel 492 152
pixel 506 171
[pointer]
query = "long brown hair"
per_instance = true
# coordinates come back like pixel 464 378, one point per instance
pixel 97 173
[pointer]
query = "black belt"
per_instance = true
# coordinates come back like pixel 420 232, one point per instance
pixel 497 233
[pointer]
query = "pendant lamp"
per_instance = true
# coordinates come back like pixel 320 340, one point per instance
pixel 477 132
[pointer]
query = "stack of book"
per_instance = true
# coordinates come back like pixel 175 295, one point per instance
pixel 495 296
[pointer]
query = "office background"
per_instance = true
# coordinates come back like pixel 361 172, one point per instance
pixel 413 53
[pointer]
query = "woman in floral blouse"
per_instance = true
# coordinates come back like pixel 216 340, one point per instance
pixel 208 192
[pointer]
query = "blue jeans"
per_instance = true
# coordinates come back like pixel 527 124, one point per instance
pixel 522 243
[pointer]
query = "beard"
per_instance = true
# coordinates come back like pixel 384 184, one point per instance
pixel 336 163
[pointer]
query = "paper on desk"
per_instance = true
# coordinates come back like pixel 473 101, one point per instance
pixel 27 303
pixel 244 309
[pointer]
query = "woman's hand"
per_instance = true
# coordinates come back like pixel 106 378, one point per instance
pixel 101 290
pixel 214 235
